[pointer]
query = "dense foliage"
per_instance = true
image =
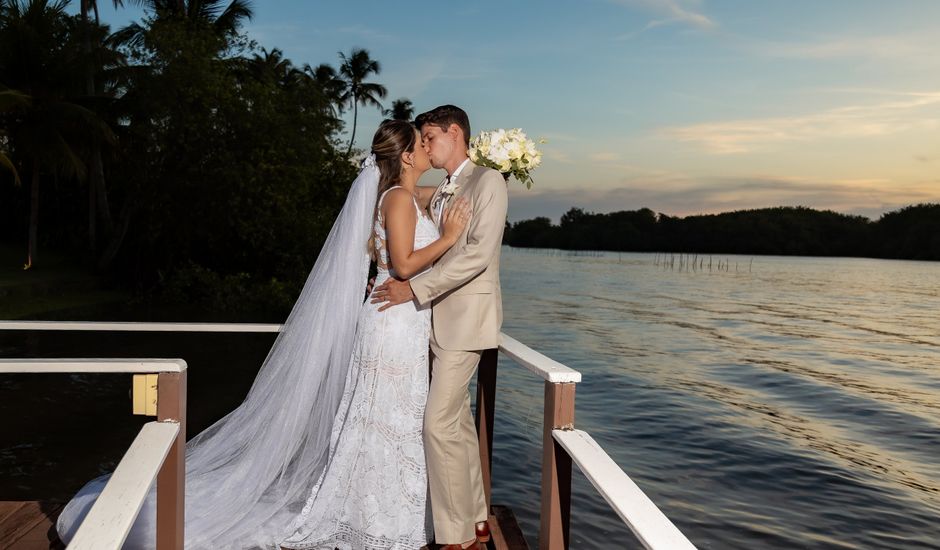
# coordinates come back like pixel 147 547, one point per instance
pixel 174 155
pixel 910 233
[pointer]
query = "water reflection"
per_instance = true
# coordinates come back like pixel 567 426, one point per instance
pixel 791 405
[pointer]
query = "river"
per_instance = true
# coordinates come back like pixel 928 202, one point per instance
pixel 771 402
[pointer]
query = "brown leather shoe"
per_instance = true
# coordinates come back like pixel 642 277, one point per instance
pixel 483 531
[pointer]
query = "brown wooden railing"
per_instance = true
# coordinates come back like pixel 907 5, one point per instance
pixel 159 450
pixel 562 444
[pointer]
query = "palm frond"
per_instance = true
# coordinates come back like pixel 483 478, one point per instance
pixel 132 35
pixel 68 161
pixel 233 16
pixel 13 99
pixel 371 89
pixel 8 164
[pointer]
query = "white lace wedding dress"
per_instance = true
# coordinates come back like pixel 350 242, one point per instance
pixel 373 491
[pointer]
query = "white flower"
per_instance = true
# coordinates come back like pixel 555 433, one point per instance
pixel 449 188
pixel 499 154
pixel 509 151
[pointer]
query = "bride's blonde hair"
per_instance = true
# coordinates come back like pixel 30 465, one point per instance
pixel 393 138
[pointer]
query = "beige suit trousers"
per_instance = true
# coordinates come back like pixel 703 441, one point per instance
pixel 451 446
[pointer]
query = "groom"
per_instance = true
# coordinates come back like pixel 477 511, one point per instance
pixel 467 311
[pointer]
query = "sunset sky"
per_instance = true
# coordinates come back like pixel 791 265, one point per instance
pixel 682 106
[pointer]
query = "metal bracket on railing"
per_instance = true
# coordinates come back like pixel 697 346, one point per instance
pixel 145 394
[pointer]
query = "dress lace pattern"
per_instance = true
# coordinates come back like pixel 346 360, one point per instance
pixel 373 491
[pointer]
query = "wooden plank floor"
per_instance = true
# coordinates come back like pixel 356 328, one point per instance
pixel 29 525
pixel 504 529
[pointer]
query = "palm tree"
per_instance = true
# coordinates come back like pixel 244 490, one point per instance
pixel 273 68
pixel 225 21
pixel 10 100
pixel 92 5
pixel 402 109
pixel 330 84
pixel 98 204
pixel 48 131
pixel 353 71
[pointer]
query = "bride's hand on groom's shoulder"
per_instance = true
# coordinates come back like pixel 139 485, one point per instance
pixel 392 292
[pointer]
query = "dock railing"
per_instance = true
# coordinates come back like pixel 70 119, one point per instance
pixel 158 451
pixel 562 444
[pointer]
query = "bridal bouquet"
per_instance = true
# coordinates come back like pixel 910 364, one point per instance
pixel 508 151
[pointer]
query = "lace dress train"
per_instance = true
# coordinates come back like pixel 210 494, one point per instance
pixel 373 492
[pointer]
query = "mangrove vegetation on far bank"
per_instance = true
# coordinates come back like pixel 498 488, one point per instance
pixel 911 233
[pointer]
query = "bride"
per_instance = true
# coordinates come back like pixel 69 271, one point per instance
pixel 326 449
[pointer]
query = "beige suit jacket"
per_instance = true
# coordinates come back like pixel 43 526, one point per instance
pixel 463 286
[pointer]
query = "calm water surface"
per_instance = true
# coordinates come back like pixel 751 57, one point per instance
pixel 781 403
pixel 778 403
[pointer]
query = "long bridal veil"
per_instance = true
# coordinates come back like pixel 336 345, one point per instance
pixel 249 474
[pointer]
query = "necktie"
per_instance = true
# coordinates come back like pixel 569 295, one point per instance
pixel 441 201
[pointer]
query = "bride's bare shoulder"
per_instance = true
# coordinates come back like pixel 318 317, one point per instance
pixel 397 199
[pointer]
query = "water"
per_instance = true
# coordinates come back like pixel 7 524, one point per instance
pixel 777 403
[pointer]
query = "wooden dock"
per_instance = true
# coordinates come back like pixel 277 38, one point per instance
pixel 157 452
pixel 30 525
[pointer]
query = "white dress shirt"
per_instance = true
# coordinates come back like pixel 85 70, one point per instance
pixel 448 179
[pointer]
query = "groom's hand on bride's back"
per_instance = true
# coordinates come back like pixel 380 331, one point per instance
pixel 391 293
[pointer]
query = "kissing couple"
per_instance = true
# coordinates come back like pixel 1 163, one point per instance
pixel 345 434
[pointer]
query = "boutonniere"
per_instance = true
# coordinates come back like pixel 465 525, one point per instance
pixel 449 188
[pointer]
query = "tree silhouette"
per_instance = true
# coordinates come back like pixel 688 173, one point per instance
pixel 41 61
pixel 224 21
pixel 402 109
pixel 353 71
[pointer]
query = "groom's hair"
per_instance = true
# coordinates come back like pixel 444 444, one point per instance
pixel 443 117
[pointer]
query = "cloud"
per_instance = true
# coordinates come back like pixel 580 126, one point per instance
pixel 412 79
pixel 854 121
pixel 677 194
pixel 672 11
pixel 553 137
pixel 867 47
pixel 558 156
